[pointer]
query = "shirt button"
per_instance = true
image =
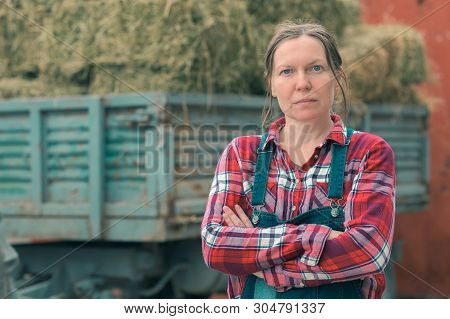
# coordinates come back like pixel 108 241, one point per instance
pixel 294 208
pixel 316 156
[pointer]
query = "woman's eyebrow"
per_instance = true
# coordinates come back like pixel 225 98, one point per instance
pixel 292 66
pixel 284 66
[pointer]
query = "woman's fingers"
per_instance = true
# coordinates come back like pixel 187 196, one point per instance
pixel 238 218
pixel 233 219
pixel 226 217
pixel 242 216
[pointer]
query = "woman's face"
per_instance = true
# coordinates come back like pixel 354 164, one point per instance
pixel 302 81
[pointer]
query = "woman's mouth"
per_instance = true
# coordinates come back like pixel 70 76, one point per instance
pixel 305 101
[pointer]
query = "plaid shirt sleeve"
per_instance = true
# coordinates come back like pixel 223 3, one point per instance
pixel 364 248
pixel 240 251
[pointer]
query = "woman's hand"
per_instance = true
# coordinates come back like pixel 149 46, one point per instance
pixel 238 219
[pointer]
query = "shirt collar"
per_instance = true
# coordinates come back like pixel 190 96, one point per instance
pixel 337 134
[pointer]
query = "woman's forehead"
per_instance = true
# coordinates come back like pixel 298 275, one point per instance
pixel 304 49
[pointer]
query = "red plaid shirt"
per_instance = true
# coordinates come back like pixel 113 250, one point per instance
pixel 301 256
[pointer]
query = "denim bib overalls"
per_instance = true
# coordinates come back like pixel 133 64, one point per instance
pixel 331 216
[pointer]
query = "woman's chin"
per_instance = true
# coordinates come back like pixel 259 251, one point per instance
pixel 307 116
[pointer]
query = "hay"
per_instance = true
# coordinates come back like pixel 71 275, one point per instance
pixel 384 73
pixel 15 87
pixel 195 46
pixel 96 31
pixel 335 15
pixel 12 87
pixel 203 46
pixel 19 53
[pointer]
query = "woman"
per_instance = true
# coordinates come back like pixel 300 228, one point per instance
pixel 307 209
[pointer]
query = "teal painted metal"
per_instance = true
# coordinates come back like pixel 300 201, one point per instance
pixel 405 128
pixel 96 166
pixel 166 177
pixel 15 160
pixel 153 176
pixel 129 187
pixel 36 158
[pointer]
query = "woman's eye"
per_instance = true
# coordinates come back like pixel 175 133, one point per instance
pixel 317 68
pixel 286 72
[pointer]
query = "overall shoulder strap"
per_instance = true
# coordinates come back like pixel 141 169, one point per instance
pixel 261 172
pixel 338 156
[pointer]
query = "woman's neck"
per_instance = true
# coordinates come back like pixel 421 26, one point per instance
pixel 297 134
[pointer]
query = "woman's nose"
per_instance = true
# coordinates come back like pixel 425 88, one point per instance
pixel 303 83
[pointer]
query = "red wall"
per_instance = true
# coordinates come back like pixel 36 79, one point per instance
pixel 426 235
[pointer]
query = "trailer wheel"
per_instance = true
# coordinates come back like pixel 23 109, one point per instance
pixel 197 281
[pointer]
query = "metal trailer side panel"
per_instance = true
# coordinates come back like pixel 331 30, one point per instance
pixel 71 170
pixel 405 129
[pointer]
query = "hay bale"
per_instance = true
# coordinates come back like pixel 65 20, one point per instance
pixel 115 77
pixel 193 46
pixel 335 15
pixel 214 46
pixel 18 87
pixel 96 31
pixel 19 52
pixel 383 66
pixel 204 46
pixel 15 87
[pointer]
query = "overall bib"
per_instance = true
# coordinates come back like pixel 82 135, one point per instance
pixel 331 216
